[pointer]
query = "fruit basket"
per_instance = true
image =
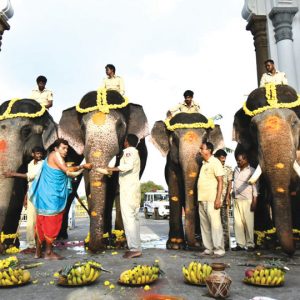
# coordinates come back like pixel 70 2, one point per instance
pixel 80 274
pixel 196 273
pixel 263 276
pixel 140 275
pixel 10 277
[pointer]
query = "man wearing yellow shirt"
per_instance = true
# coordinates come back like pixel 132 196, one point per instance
pixel 113 82
pixel 41 94
pixel 272 75
pixel 210 185
pixel 187 106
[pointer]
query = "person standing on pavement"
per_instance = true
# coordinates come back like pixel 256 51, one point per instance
pixel 42 95
pixel 272 75
pixel 130 194
pixel 33 169
pixel 187 106
pixel 112 81
pixel 226 196
pixel 244 201
pixel 210 184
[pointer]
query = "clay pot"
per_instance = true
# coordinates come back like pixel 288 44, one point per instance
pixel 218 282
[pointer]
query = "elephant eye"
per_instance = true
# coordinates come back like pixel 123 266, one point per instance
pixel 294 123
pixel 25 131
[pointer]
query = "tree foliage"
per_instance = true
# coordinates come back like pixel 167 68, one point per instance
pixel 149 186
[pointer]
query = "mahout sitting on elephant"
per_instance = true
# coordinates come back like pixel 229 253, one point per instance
pixel 96 128
pixel 268 129
pixel 179 139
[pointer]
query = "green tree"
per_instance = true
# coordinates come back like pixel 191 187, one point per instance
pixel 149 186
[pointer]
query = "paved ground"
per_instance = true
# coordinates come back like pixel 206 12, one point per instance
pixel 171 262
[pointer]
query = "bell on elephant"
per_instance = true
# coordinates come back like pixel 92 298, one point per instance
pixel 268 129
pixel 179 139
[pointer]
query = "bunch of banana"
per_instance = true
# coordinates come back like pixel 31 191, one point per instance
pixel 196 272
pixel 8 262
pixel 141 274
pixel 14 277
pixel 264 276
pixel 80 273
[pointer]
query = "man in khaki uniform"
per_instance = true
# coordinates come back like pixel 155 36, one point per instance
pixel 272 75
pixel 245 197
pixel 226 198
pixel 210 184
pixel 130 194
pixel 188 106
pixel 113 82
pixel 41 94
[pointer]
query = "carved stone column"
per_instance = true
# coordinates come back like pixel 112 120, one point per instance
pixel 3 26
pixel 282 20
pixel 258 27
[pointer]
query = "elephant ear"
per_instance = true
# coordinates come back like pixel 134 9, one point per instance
pixel 241 129
pixel 137 121
pixel 70 129
pixel 160 137
pixel 215 136
pixel 50 133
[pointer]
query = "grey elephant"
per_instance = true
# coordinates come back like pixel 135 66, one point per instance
pixel 180 141
pixel 268 129
pixel 97 128
pixel 24 124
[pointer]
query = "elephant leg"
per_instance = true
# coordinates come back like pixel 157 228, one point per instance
pixel 176 235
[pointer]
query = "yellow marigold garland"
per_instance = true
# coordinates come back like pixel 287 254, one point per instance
pixel 209 124
pixel 271 95
pixel 8 236
pixel 261 235
pixel 8 115
pixel 118 233
pixel 102 104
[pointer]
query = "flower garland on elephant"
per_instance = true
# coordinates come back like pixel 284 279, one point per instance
pixel 271 96
pixel 9 115
pixel 12 249
pixel 209 124
pixel 101 103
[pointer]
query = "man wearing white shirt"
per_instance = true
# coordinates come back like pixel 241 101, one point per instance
pixel 272 75
pixel 41 94
pixel 112 81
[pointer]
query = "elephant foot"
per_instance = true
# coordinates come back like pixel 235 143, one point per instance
pixel 194 246
pixel 95 246
pixel 175 244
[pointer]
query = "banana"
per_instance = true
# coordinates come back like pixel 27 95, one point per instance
pixel 79 280
pixel 269 280
pixel 274 281
pixel 186 274
pixel 193 277
pixel 256 273
pixel 1 276
pixel 14 279
pixel 91 274
pixel 267 272
pixel 199 272
pixel 96 275
pixel 74 280
pixel 87 270
pixel 257 280
pixel 263 280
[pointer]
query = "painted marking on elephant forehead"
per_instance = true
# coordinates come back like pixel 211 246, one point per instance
pixel 279 166
pixel 273 123
pixel 99 118
pixel 3 145
pixel 280 190
pixel 174 198
pixel 190 137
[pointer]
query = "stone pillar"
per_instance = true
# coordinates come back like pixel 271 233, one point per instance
pixel 258 27
pixel 3 26
pixel 282 19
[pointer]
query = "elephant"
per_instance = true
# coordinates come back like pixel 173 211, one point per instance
pixel 24 124
pixel 97 131
pixel 267 128
pixel 181 146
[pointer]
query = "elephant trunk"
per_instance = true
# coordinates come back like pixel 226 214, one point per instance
pixel 276 157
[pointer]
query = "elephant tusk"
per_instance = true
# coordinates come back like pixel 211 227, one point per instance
pixel 296 167
pixel 256 175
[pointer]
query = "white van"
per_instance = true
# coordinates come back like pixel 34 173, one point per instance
pixel 157 205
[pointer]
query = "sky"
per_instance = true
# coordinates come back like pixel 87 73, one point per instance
pixel 160 47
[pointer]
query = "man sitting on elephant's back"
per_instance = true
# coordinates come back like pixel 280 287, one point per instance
pixel 188 105
pixel 49 193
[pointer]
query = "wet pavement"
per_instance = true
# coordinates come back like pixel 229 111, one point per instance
pixel 153 234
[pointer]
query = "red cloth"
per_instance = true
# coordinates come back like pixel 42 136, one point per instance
pixel 47 227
